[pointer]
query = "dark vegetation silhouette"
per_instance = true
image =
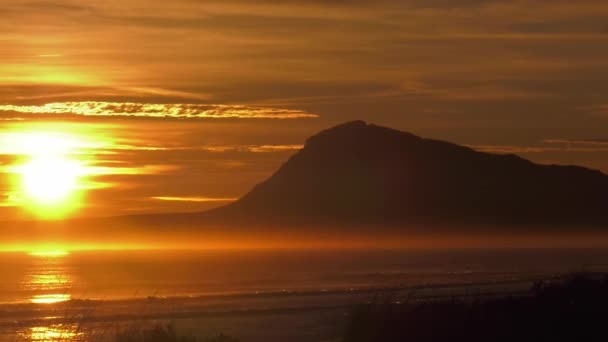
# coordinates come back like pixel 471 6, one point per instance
pixel 570 310
pixel 156 333
pixel 164 333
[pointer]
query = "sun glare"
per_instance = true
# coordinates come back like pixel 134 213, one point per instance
pixel 49 180
pixel 53 333
pixel 51 174
pixel 49 253
pixel 50 298
pixel 51 170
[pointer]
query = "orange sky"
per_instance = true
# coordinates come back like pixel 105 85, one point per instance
pixel 206 98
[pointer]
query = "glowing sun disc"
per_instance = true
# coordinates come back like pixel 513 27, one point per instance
pixel 50 179
pixel 51 174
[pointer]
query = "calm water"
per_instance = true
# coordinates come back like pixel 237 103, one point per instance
pixel 39 293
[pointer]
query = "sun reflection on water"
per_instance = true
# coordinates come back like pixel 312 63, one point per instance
pixel 53 333
pixel 50 298
pixel 49 279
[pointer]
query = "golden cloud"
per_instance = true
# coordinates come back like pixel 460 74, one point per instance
pixel 151 110
pixel 192 199
pixel 267 148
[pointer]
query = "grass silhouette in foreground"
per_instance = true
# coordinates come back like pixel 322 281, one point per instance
pixel 164 333
pixel 572 309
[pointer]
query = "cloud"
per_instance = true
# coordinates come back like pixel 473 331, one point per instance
pixel 7 199
pixel 268 148
pixel 150 110
pixel 233 51
pixel 275 148
pixel 251 148
pixel 597 110
pixel 192 199
pixel 592 142
pixel 581 146
pixel 507 149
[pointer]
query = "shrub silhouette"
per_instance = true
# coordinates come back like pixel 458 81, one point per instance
pixel 156 333
pixel 164 333
pixel 567 310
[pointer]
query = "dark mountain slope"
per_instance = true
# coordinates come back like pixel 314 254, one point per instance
pixel 358 172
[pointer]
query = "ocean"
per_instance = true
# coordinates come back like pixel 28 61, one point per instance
pixel 58 296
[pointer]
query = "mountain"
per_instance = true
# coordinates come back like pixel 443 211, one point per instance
pixel 359 172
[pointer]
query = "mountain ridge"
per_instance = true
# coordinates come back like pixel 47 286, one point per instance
pixel 360 172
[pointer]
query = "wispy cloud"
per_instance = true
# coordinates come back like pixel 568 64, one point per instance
pixel 7 199
pixel 252 148
pixel 75 93
pixel 551 145
pixel 507 149
pixel 152 110
pixel 593 142
pixel 597 110
pixel 192 199
pixel 274 148
pixel 211 148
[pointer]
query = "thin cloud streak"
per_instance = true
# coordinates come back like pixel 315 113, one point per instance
pixel 274 148
pixel 152 110
pixel 598 110
pixel 192 199
pixel 593 142
pixel 506 149
pixel 211 148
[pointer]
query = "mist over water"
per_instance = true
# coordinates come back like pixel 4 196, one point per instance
pixel 128 275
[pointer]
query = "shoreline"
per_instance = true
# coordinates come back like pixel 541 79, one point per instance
pixel 159 308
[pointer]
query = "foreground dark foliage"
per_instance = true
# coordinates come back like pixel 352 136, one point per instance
pixel 164 333
pixel 574 309
pixel 157 333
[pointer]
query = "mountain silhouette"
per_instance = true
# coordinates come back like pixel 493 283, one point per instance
pixel 359 172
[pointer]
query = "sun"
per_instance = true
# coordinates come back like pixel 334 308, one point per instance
pixel 50 175
pixel 50 179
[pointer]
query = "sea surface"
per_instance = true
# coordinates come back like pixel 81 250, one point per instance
pixel 294 295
